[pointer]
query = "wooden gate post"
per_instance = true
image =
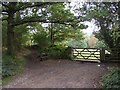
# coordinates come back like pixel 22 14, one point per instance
pixel 102 54
pixel 72 50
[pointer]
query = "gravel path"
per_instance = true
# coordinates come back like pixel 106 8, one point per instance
pixel 59 74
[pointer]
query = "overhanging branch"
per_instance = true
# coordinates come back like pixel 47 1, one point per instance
pixel 35 5
pixel 39 19
pixel 67 22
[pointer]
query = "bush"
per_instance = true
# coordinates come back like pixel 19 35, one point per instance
pixel 100 44
pixel 11 65
pixel 41 39
pixel 66 54
pixel 112 79
pixel 59 52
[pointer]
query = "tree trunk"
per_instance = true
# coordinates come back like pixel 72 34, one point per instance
pixel 10 34
pixel 51 35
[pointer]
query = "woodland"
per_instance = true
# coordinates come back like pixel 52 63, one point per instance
pixel 53 28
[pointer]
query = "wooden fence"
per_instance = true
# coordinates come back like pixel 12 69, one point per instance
pixel 86 54
pixel 113 55
pixel 94 54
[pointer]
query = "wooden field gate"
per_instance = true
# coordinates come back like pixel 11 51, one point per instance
pixel 88 54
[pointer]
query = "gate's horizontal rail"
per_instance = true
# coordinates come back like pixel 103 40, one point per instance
pixel 86 48
pixel 86 53
pixel 93 58
pixel 87 60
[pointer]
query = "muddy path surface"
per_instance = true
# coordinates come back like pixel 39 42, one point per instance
pixel 59 74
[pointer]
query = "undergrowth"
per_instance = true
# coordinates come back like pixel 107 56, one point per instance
pixel 11 66
pixel 112 79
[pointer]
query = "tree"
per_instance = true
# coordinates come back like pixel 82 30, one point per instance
pixel 41 39
pixel 60 33
pixel 106 16
pixel 100 44
pixel 29 12
pixel 21 35
pixel 4 35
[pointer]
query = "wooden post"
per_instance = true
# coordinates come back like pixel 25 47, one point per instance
pixel 102 54
pixel 71 52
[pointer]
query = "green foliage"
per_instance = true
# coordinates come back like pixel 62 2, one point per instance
pixel 112 79
pixel 106 17
pixel 77 43
pixel 4 33
pixel 21 36
pixel 67 53
pixel 58 12
pixel 59 52
pixel 11 66
pixel 63 34
pixel 20 13
pixel 41 39
pixel 54 52
pixel 78 40
pixel 100 44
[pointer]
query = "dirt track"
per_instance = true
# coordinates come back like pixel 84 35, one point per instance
pixel 59 74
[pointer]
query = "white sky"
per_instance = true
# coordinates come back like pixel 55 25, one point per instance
pixel 91 26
